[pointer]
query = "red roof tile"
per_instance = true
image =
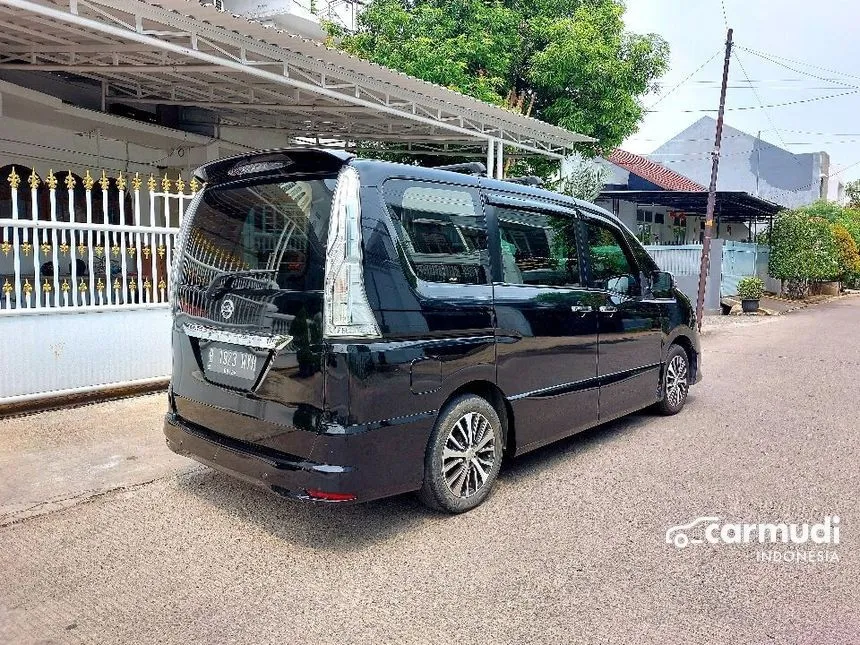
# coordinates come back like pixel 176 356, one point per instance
pixel 653 172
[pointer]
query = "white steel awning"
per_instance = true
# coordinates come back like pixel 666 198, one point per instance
pixel 181 53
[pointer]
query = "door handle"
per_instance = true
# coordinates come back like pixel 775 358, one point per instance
pixel 608 309
pixel 580 309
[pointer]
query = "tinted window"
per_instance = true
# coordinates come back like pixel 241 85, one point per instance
pixel 538 249
pixel 277 230
pixel 442 230
pixel 608 259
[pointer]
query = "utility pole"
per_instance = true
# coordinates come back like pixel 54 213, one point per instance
pixel 712 191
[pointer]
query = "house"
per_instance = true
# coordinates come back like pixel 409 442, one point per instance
pixel 662 206
pixel 747 164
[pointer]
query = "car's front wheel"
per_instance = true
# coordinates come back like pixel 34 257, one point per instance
pixel 463 456
pixel 676 381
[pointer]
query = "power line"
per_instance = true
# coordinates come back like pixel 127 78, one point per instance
pixel 797 71
pixel 767 55
pixel 758 98
pixel 684 80
pixel 771 105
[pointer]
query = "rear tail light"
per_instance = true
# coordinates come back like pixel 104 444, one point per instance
pixel 179 250
pixel 347 311
pixel 326 496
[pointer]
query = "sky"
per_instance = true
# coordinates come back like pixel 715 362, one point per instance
pixel 822 34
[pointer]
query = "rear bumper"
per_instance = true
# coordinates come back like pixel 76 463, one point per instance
pixel 366 477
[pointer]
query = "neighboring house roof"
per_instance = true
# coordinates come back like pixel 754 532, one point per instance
pixel 653 172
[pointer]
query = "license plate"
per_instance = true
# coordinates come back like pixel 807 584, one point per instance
pixel 224 359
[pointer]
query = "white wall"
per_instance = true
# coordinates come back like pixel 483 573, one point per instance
pixel 56 352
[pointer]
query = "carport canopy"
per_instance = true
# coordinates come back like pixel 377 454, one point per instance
pixel 181 53
pixel 731 206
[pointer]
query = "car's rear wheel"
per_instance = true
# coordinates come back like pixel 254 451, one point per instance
pixel 463 456
pixel 676 381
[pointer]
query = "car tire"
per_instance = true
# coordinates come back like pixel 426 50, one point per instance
pixel 676 382
pixel 464 455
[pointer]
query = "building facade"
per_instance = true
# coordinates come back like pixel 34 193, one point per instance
pixel 747 164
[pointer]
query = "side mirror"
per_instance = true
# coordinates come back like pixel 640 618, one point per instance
pixel 662 284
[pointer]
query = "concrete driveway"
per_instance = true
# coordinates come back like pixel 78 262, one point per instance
pixel 569 549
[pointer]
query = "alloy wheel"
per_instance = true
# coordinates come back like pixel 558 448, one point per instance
pixel 468 455
pixel 676 381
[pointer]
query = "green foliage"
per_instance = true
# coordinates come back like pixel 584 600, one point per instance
pixel 852 193
pixel 585 179
pixel 572 58
pixel 750 288
pixel 802 248
pixel 847 253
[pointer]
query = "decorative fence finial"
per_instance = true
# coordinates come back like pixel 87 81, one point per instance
pixel 136 182
pixel 150 183
pixel 104 182
pixel 33 180
pixel 51 180
pixel 165 184
pixel 88 180
pixel 180 184
pixel 70 180
pixel 194 185
pixel 120 181
pixel 14 179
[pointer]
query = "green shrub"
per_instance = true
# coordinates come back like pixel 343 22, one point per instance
pixel 750 288
pixel 803 249
pixel 846 251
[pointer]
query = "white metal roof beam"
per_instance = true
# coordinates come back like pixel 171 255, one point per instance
pixel 121 32
pixel 215 50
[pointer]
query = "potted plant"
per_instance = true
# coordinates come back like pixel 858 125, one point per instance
pixel 750 289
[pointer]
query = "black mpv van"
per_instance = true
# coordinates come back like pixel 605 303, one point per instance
pixel 347 329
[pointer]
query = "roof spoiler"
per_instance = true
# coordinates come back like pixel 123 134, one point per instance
pixel 273 162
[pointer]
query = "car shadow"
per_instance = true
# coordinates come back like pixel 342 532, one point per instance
pixel 327 526
pixel 550 455
pixel 355 527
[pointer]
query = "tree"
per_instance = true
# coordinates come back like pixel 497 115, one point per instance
pixel 572 60
pixel 583 178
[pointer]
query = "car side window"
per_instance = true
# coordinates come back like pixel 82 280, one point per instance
pixel 442 230
pixel 538 249
pixel 610 264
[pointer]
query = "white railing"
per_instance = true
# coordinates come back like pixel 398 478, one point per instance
pixel 87 247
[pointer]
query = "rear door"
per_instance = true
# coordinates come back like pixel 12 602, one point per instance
pixel 546 327
pixel 249 296
pixel 629 327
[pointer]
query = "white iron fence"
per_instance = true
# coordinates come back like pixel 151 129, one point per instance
pixel 729 262
pixel 678 259
pixel 84 248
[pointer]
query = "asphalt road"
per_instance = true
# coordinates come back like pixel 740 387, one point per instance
pixel 569 549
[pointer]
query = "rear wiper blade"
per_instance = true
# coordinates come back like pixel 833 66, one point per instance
pixel 227 278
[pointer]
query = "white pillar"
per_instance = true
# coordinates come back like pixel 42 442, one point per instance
pixel 491 151
pixel 500 162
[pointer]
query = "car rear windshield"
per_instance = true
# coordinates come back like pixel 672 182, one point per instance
pixel 274 231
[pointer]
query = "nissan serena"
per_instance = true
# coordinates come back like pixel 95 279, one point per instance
pixel 346 329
